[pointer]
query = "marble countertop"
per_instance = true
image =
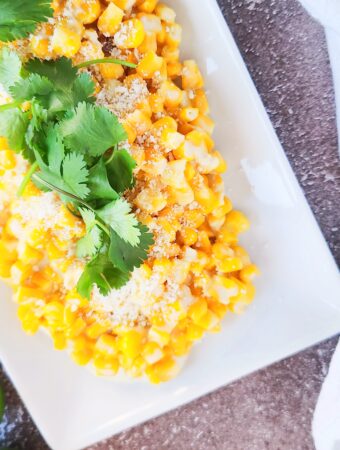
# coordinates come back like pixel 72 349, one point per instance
pixel 286 54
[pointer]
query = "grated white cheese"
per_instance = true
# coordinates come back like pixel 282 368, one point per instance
pixel 140 298
pixel 122 99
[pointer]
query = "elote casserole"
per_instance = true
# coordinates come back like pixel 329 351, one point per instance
pixel 191 270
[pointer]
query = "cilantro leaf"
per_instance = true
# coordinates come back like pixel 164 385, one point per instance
pixel 89 217
pixel 91 129
pixel 118 215
pixel 34 136
pixel 33 86
pixel 10 68
pixel 75 174
pixel 90 243
pixel 68 88
pixel 126 257
pixel 101 271
pixel 66 172
pixel 13 125
pixel 83 89
pixel 120 170
pixel 60 71
pixel 99 185
pixel 55 149
pixel 18 18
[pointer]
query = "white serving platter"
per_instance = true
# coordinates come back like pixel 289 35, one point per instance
pixel 298 301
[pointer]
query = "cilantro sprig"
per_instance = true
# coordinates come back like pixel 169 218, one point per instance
pixel 72 145
pixel 18 18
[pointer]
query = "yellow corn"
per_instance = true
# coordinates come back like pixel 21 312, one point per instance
pixel 148 6
pixel 163 370
pixel 165 13
pixel 150 64
pixel 87 11
pixel 191 76
pixel 130 34
pixel 65 41
pixel 111 71
pixel 178 195
pixel 110 20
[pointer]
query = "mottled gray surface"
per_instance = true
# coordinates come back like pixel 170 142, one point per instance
pixel 286 54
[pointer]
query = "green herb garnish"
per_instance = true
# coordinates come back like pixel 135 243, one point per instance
pixel 19 18
pixel 71 144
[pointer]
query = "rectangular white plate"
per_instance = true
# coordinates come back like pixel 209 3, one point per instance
pixel 298 301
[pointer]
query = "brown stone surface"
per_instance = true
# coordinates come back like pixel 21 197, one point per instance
pixel 286 54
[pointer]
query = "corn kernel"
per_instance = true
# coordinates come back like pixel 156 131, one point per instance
pixel 125 4
pixel 248 273
pixel 166 122
pixel 171 93
pixel 194 332
pixel 82 350
pixel 200 101
pixel 65 41
pixel 189 114
pixel 188 236
pixel 171 55
pixel 110 20
pixel 130 131
pixel 236 222
pixel 3 143
pixel 179 343
pixel 165 13
pixel 148 6
pixel 54 313
pixel 30 255
pixel 87 11
pixel 105 365
pixel 149 43
pixel 204 123
pixel 191 76
pixel 173 35
pixel 152 23
pixel 159 336
pixel 198 310
pixel 130 343
pixel 95 330
pixel 107 344
pixel 30 323
pixel 150 201
pixel 111 71
pixel 59 340
pixel 139 121
pixel 7 160
pixel 149 64
pixel 163 370
pixel 77 328
pixel 152 352
pixel 156 103
pixel 130 34
pixel 174 69
pixel 20 272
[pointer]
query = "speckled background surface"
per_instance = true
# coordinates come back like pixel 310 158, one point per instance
pixel 286 54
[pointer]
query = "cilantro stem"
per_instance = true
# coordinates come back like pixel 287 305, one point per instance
pixel 73 197
pixel 112 155
pixel 103 227
pixel 10 105
pixel 106 281
pixel 27 178
pixel 105 60
pixel 61 191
